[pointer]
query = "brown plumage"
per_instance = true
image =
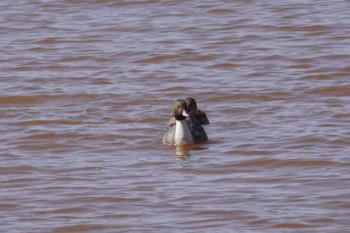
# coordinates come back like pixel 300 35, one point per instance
pixel 194 113
pixel 194 121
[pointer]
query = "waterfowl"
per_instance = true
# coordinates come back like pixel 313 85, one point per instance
pixel 179 123
pixel 195 113
pixel 179 132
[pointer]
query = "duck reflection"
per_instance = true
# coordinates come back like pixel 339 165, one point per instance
pixel 184 151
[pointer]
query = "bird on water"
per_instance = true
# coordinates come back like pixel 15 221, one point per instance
pixel 184 128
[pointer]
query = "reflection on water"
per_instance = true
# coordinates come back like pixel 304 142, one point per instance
pixel 85 95
pixel 184 151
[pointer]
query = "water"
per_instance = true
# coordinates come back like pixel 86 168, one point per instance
pixel 87 89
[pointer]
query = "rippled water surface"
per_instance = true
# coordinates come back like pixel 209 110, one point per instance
pixel 86 91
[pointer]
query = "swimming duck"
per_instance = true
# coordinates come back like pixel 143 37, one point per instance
pixel 180 123
pixel 179 132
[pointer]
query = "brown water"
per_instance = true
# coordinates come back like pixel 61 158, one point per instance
pixel 86 90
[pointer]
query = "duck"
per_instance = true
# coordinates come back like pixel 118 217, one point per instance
pixel 195 113
pixel 179 132
pixel 182 129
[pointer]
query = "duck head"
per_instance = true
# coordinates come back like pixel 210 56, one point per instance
pixel 179 110
pixel 191 106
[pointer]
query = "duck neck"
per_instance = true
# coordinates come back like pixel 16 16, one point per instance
pixel 182 133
